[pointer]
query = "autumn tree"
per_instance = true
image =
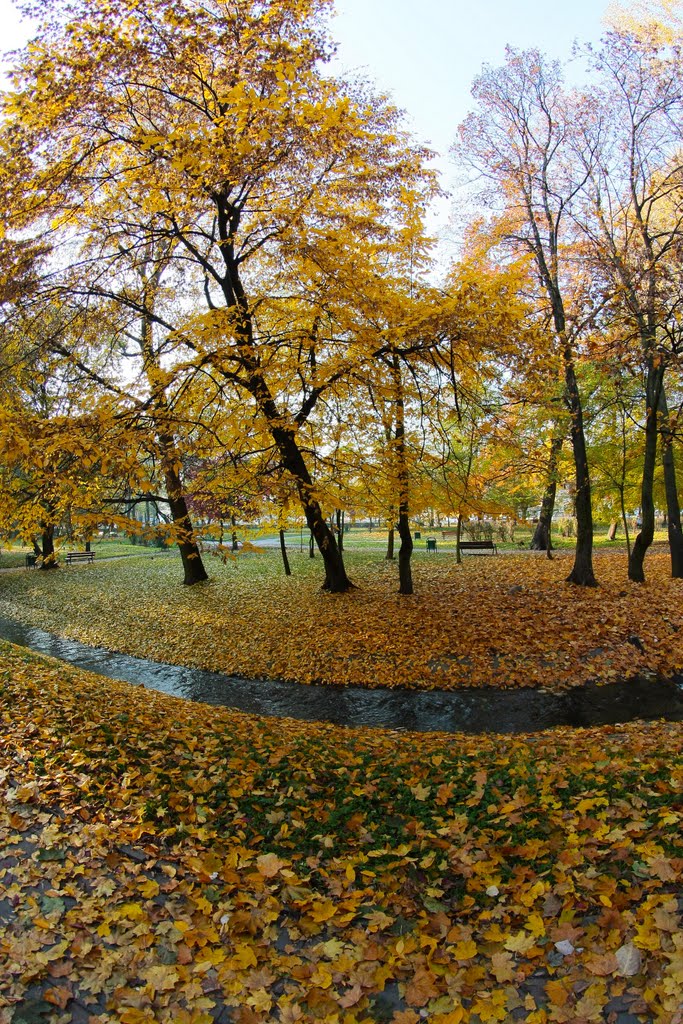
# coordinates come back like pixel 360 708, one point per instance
pixel 59 461
pixel 520 140
pixel 210 132
pixel 628 147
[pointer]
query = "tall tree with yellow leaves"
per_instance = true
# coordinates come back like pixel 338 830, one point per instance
pixel 210 127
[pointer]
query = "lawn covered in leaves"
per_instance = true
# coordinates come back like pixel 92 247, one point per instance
pixel 163 861
pixel 504 621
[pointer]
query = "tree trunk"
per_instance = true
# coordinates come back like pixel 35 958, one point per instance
pixel 405 574
pixel 49 561
pixel 283 550
pixel 458 535
pixel 653 388
pixel 339 514
pixel 336 580
pixel 390 545
pixel 613 527
pixel 541 540
pixel 234 546
pixel 673 511
pixel 193 567
pixel 311 546
pixel 582 571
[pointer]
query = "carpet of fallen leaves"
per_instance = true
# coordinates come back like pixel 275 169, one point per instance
pixel 168 862
pixel 507 621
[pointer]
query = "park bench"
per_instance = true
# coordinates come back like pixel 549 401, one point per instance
pixel 478 546
pixel 79 556
pixel 449 533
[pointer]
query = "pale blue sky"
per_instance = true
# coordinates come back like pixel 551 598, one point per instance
pixel 427 52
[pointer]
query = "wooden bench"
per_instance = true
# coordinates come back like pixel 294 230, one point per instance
pixel 478 546
pixel 449 533
pixel 79 556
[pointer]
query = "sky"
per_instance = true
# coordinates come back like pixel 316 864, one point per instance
pixel 426 53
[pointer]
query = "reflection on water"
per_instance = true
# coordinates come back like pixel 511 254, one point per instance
pixel 472 711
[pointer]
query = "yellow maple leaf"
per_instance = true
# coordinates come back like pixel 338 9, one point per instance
pixel 160 978
pixel 268 864
pixel 520 943
pixel 502 966
pixel 465 950
pixel 323 910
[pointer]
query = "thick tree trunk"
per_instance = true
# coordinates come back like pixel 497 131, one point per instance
pixel 613 527
pixel 336 580
pixel 541 540
pixel 655 377
pixel 390 545
pixel 283 551
pixel 193 567
pixel 49 560
pixel 582 571
pixel 673 510
pixel 405 574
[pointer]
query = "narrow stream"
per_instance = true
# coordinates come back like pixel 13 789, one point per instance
pixel 478 710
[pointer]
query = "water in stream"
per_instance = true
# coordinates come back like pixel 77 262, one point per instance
pixel 477 710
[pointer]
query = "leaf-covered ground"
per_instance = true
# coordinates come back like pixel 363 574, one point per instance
pixel 163 861
pixel 502 621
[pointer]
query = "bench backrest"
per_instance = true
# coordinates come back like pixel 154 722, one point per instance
pixel 477 544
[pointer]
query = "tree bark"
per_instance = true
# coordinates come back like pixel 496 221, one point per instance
pixel 405 552
pixel 283 551
pixel 673 510
pixel 336 580
pixel 193 567
pixel 390 545
pixel 541 540
pixel 653 388
pixel 48 544
pixel 582 571
pixel 405 574
pixel 458 535
pixel 339 515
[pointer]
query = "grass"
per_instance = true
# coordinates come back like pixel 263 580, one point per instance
pixel 14 557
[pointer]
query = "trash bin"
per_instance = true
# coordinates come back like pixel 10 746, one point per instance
pixel 418 535
pixel 30 561
pixel 431 543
